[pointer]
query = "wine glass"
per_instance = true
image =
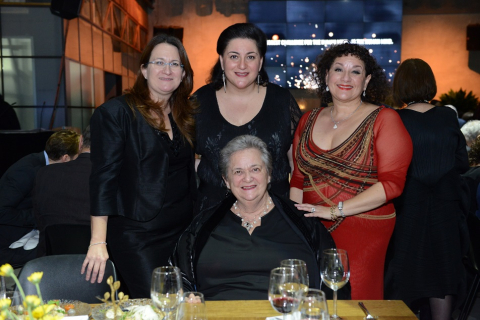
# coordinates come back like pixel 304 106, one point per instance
pixel 284 290
pixel 335 272
pixel 3 289
pixel 166 289
pixel 192 307
pixel 314 305
pixel 301 268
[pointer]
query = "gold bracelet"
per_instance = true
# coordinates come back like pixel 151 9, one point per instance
pixel 332 213
pixel 94 244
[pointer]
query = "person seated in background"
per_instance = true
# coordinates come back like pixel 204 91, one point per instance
pixel 61 194
pixel 8 117
pixel 471 130
pixel 472 177
pixel 228 251
pixel 16 191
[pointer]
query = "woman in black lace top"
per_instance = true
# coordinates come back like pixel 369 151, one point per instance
pixel 239 100
pixel 142 183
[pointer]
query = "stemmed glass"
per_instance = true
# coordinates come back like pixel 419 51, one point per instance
pixel 335 272
pixel 166 289
pixel 301 268
pixel 192 307
pixel 314 305
pixel 283 291
pixel 3 289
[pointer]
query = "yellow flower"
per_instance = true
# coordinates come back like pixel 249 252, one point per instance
pixel 6 270
pixel 32 301
pixel 40 311
pixel 35 277
pixel 3 315
pixel 5 303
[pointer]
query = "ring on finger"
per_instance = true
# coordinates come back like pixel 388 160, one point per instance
pixel 313 209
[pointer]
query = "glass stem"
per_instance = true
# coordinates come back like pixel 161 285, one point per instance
pixel 335 304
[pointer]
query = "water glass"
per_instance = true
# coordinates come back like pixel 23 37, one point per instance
pixel 192 307
pixel 166 289
pixel 301 268
pixel 314 305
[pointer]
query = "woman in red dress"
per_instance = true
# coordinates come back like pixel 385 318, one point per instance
pixel 351 160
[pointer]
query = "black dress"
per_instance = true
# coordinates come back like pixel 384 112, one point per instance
pixel 144 245
pixel 428 241
pixel 275 124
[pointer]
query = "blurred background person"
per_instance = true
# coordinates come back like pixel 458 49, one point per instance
pixel 61 195
pixel 426 270
pixel 238 100
pixel 351 159
pixel 142 185
pixel 472 177
pixel 228 251
pixel 18 236
pixel 471 130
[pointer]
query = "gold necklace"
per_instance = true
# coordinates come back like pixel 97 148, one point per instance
pixel 249 225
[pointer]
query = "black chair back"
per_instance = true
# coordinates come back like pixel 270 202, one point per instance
pixel 62 279
pixel 67 239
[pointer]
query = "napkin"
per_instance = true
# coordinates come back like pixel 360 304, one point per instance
pixel 23 240
pixel 85 317
pixel 294 316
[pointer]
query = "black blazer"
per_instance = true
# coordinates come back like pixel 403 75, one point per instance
pixel 129 164
pixel 61 195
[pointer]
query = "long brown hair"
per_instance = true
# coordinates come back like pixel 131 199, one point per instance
pixel 183 108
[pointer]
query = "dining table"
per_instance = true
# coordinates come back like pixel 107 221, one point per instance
pixel 346 309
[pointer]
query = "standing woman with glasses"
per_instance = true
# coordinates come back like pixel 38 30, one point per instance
pixel 142 183
pixel 239 100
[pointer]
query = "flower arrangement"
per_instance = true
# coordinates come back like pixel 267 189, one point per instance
pixel 33 304
pixel 36 309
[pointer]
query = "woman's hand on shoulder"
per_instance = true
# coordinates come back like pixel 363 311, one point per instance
pixel 95 262
pixel 314 211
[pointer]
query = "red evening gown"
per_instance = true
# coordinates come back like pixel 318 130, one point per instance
pixel 380 149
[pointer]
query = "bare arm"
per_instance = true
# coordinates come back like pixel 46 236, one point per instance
pixel 368 200
pixel 97 255
pixel 296 195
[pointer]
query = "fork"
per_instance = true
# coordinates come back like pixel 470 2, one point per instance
pixel 367 314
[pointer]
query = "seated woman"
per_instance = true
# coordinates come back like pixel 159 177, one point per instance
pixel 227 253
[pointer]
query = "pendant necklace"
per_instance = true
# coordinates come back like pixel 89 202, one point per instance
pixel 336 123
pixel 249 225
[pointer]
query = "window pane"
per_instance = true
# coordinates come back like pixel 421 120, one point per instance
pixel 72 50
pixel 99 85
pixel 117 21
pixel 87 86
pixel 73 83
pixel 99 11
pixel 131 31
pixel 85 11
pixel 108 52
pixel 97 47
pixel 86 51
pixel 36 25
pixel 117 56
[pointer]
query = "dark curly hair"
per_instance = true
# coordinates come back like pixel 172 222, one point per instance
pixel 378 87
pixel 239 31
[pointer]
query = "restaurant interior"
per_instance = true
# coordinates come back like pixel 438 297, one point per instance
pixel 61 59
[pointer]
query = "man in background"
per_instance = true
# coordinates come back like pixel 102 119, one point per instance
pixel 16 189
pixel 61 195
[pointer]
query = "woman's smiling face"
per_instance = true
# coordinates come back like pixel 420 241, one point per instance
pixel 347 78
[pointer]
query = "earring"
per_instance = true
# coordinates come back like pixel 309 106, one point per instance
pixel 327 89
pixel 224 84
pixel 364 93
pixel 258 82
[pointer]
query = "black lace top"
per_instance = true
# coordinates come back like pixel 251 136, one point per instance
pixel 275 124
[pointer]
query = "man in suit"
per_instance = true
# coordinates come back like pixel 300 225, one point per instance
pixel 61 195
pixel 16 190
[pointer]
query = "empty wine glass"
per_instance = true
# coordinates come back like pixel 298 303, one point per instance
pixel 3 289
pixel 301 268
pixel 166 289
pixel 335 272
pixel 192 307
pixel 314 305
pixel 284 290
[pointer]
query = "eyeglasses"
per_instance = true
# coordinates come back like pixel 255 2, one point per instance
pixel 162 64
